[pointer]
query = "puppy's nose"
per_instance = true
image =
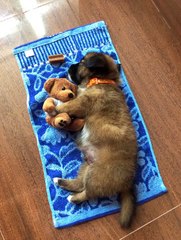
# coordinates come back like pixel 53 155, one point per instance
pixel 70 95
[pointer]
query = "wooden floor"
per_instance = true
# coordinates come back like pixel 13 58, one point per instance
pixel 147 36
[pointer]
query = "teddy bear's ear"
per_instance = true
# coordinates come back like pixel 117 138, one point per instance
pixel 49 84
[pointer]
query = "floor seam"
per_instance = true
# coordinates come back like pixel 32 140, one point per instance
pixel 1 234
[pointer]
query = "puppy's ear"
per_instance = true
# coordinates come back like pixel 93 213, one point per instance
pixel 49 84
pixel 95 62
pixel 73 73
pixel 73 69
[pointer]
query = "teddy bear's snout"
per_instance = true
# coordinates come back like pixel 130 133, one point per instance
pixel 70 95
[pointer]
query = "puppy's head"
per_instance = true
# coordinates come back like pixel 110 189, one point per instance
pixel 94 65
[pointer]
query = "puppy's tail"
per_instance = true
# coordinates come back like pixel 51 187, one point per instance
pixel 127 208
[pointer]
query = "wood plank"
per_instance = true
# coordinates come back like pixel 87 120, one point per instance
pixel 165 227
pixel 170 14
pixel 151 56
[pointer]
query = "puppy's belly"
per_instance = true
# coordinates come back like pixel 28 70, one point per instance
pixel 89 153
pixel 86 147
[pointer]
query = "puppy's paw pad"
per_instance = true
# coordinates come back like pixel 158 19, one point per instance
pixel 56 180
pixel 69 198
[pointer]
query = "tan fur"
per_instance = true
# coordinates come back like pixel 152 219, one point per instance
pixel 108 140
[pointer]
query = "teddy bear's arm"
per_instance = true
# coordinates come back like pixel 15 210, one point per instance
pixel 50 105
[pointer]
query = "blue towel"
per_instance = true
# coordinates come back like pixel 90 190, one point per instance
pixel 58 152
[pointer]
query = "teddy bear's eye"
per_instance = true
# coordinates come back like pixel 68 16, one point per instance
pixel 63 88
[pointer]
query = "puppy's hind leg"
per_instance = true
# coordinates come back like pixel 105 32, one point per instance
pixel 73 185
pixel 78 197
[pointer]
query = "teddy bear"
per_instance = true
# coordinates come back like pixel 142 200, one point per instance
pixel 61 90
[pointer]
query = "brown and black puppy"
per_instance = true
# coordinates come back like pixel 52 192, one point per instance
pixel 108 137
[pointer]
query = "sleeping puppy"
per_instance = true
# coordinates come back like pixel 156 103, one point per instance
pixel 108 138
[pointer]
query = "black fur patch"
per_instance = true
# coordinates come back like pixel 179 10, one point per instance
pixel 96 61
pixel 73 73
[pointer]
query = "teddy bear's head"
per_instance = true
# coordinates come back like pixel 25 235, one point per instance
pixel 61 89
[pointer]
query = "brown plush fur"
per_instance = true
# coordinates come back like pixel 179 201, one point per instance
pixel 107 139
pixel 62 90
